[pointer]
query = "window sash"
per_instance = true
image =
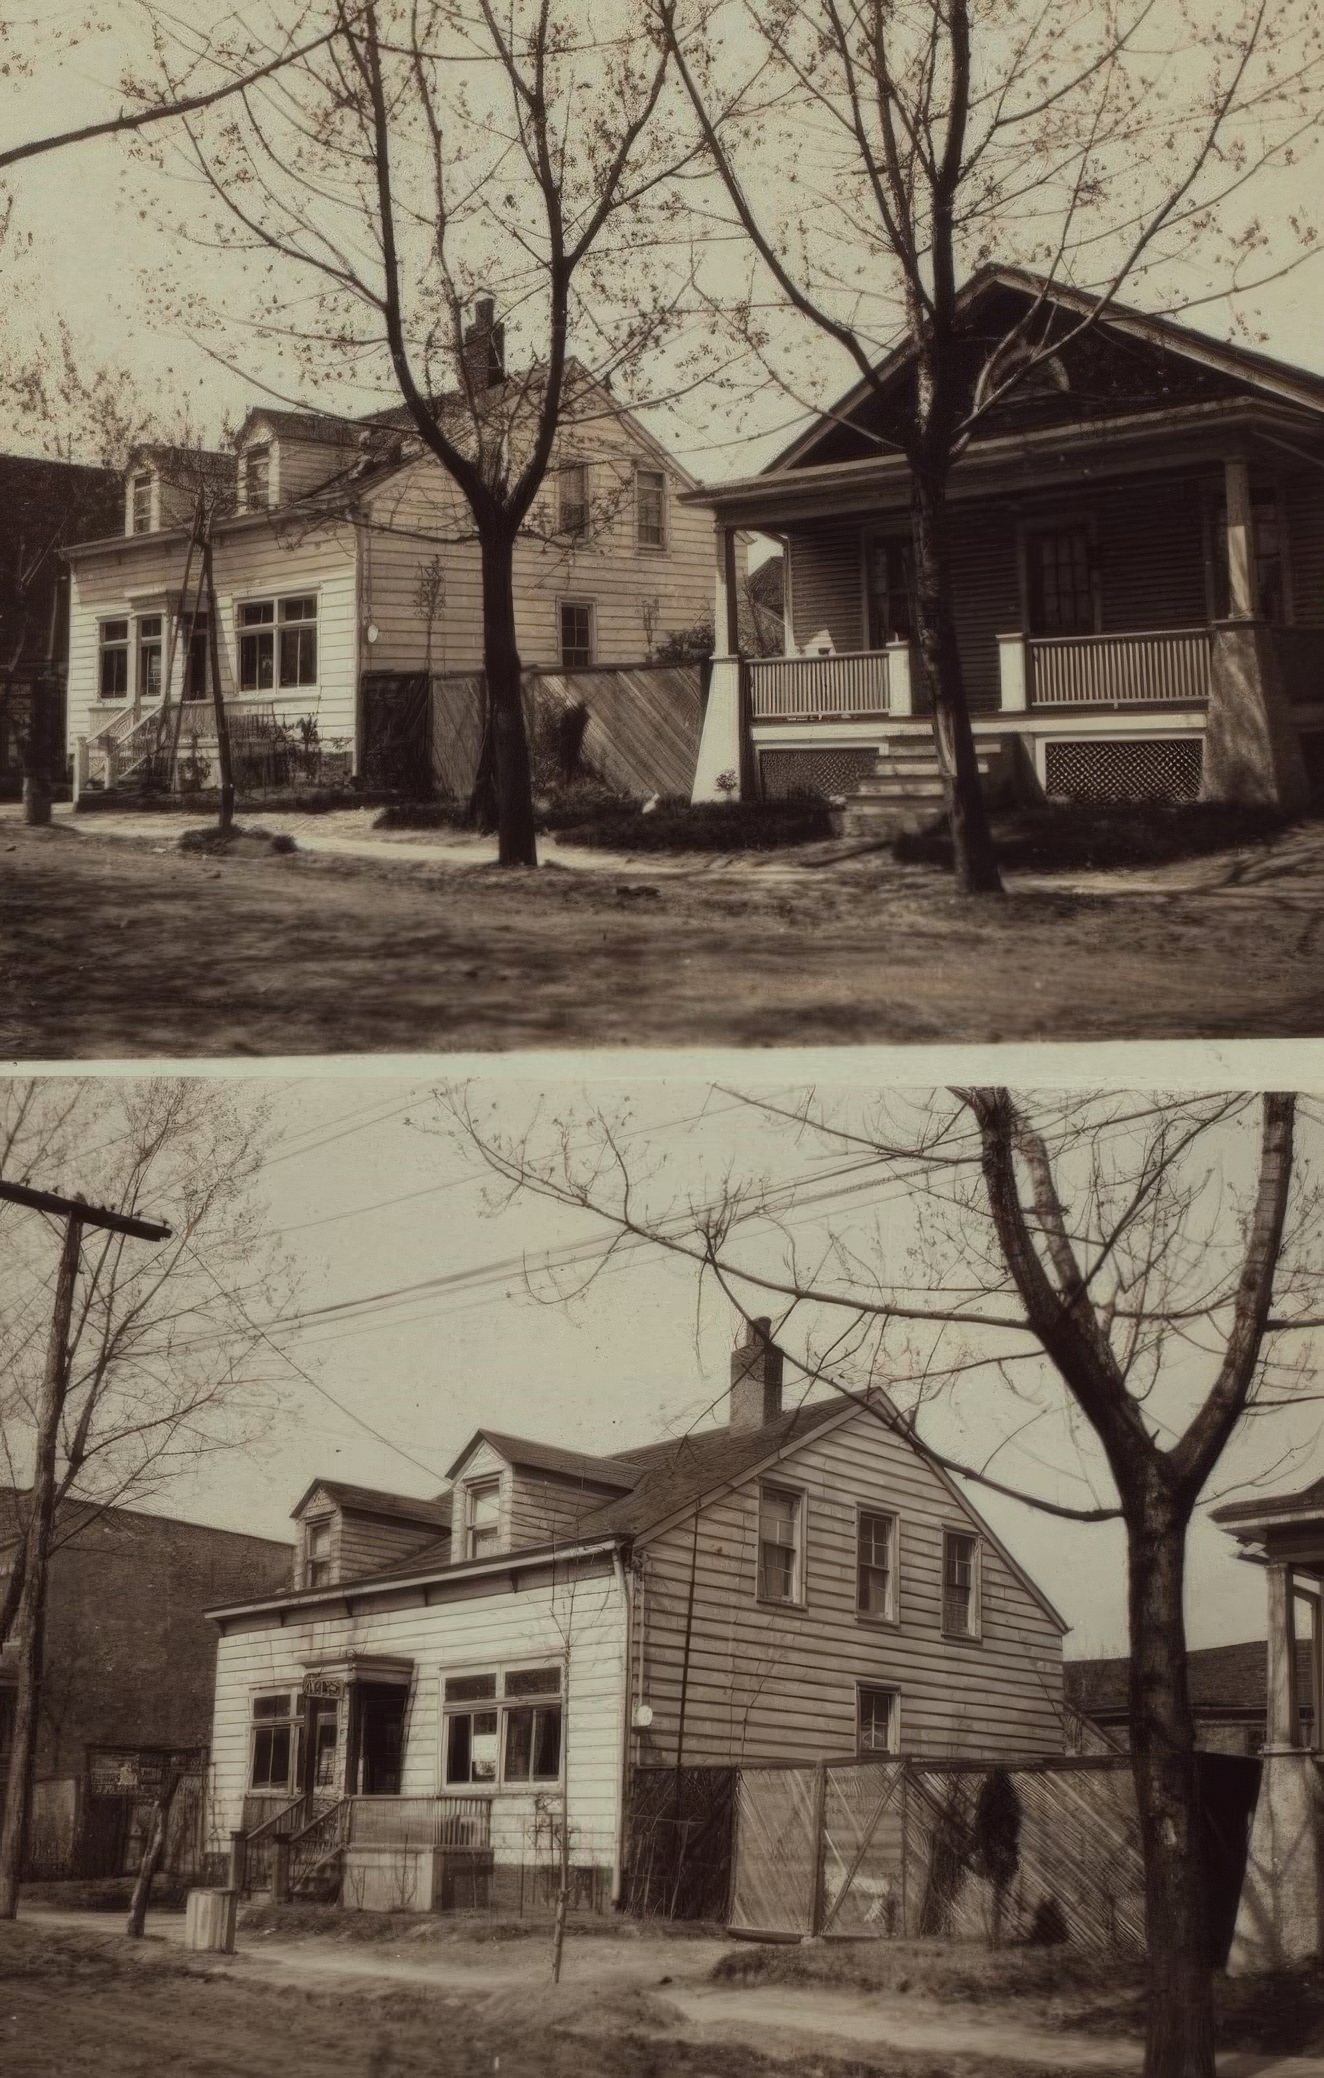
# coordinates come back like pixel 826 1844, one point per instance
pixel 113 660
pixel 876 1713
pixel 650 488
pixel 779 1545
pixel 141 499
pixel 502 1729
pixel 959 1581
pixel 1061 582
pixel 257 477
pixel 277 643
pixel 875 1547
pixel 576 634
pixel 572 499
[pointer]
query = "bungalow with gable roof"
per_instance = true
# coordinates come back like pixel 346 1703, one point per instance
pixel 406 1723
pixel 1137 554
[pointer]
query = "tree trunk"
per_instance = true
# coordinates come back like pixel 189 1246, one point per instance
pixel 974 858
pixel 1180 2036
pixel 151 1861
pixel 217 695
pixel 38 746
pixel 28 1625
pixel 510 745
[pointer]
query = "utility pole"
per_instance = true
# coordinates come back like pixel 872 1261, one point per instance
pixel 29 1619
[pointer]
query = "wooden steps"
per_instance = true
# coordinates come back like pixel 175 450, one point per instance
pixel 904 790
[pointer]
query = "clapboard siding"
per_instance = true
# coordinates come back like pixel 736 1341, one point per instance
pixel 773 1684
pixel 544 1509
pixel 825 584
pixel 1150 550
pixel 1303 499
pixel 369 1544
pixel 499 1621
pixel 418 515
pixel 252 561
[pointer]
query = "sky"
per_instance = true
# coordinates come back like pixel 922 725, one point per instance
pixel 86 246
pixel 412 1322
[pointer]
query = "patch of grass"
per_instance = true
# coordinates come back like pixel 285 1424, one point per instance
pixel 708 826
pixel 946 1970
pixel 333 1922
pixel 292 801
pixel 1075 836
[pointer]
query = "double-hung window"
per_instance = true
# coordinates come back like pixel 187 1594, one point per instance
pixel 317 1555
pixel 274 1741
pixel 572 498
pixel 650 508
pixel 780 1554
pixel 277 643
pixel 482 1518
pixel 113 660
pixel 140 502
pixel 960 1584
pixel 877 1719
pixel 502 1727
pixel 875 1571
pixel 257 479
pixel 576 634
pixel 1061 582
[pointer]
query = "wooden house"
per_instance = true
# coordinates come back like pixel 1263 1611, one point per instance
pixel 1137 541
pixel 347 576
pixel 796 1583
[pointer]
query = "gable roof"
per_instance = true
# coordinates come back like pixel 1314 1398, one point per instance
pixel 549 1457
pixel 1221 1677
pixel 1277 378
pixel 1267 1508
pixel 370 1500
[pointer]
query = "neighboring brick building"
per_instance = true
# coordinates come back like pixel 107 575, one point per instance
pixel 129 1668
pixel 1228 1695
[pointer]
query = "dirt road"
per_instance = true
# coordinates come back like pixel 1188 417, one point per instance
pixel 107 949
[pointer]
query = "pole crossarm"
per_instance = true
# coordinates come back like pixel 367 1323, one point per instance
pixel 86 1215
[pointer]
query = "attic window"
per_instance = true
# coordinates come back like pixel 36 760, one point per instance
pixel 650 501
pixel 317 1555
pixel 257 478
pixel 482 1511
pixel 1036 375
pixel 141 502
pixel 960 1584
pixel 572 499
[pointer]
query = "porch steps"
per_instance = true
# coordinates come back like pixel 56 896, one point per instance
pixel 904 790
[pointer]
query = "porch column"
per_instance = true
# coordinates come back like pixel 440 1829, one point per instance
pixel 1242 602
pixel 1014 673
pixel 721 740
pixel 1282 1723
pixel 726 605
pixel 900 686
pixel 1278 1918
pixel 80 768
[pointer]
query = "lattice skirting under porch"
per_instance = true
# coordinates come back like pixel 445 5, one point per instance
pixel 1110 770
pixel 827 771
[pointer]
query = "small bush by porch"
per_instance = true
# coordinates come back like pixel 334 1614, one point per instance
pixel 1076 836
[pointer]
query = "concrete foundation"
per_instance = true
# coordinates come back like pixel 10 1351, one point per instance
pixel 1252 752
pixel 1278 1920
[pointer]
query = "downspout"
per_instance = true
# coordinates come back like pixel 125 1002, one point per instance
pixel 622 1573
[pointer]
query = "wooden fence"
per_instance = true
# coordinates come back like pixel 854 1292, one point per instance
pixel 886 1847
pixel 639 734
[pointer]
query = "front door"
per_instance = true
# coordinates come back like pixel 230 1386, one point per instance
pixel 381 1738
pixel 321 1747
pixel 890 589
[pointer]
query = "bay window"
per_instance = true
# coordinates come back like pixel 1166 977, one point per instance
pixel 502 1728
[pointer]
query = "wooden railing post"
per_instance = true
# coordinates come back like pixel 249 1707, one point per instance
pixel 1014 673
pixel 280 1871
pixel 900 695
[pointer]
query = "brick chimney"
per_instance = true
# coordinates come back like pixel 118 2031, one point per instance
pixel 756 1379
pixel 485 345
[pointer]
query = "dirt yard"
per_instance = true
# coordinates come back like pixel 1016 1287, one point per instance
pixel 76 1997
pixel 112 948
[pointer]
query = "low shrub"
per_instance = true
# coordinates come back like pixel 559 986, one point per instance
pixel 707 826
pixel 422 815
pixel 237 842
pixel 574 807
pixel 1076 836
pixel 104 1893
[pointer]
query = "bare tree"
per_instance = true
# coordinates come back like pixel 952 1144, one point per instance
pixel 913 141
pixel 153 1361
pixel 1127 1276
pixel 440 162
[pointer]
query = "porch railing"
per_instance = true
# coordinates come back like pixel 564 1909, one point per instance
pixel 420 1821
pixel 1166 666
pixel 790 688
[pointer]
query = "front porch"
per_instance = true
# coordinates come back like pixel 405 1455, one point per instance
pixel 1130 636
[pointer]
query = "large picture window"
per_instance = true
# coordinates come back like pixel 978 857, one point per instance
pixel 113 660
pixel 780 1555
pixel 277 643
pixel 502 1727
pixel 275 1741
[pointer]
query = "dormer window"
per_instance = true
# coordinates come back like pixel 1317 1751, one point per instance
pixel 140 502
pixel 482 1513
pixel 257 478
pixel 317 1555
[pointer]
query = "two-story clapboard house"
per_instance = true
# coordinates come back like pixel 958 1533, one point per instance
pixel 1137 553
pixel 345 563
pixel 796 1583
